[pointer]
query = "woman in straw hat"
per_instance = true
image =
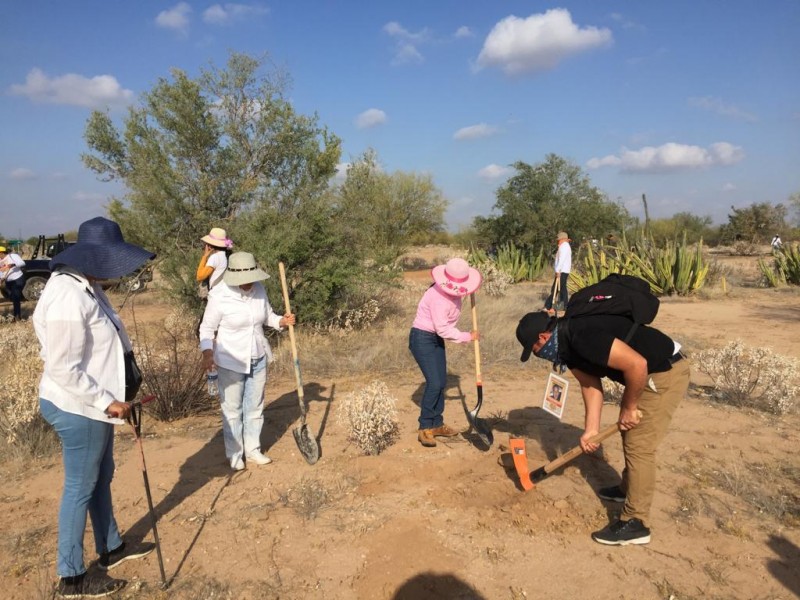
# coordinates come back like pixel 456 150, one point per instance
pixel 82 395
pixel 437 314
pixel 215 258
pixel 232 340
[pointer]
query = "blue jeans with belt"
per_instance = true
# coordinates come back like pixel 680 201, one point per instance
pixel 428 350
pixel 88 469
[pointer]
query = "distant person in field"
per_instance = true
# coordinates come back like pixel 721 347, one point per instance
pixel 656 378
pixel 776 243
pixel 11 275
pixel 562 267
pixel 438 313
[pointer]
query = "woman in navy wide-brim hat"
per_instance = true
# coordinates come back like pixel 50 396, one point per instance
pixel 82 394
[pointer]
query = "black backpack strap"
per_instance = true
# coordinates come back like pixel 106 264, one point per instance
pixel 631 331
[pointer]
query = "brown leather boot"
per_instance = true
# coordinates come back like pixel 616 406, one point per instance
pixel 444 431
pixel 425 438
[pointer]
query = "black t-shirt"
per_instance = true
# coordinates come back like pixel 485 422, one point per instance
pixel 585 344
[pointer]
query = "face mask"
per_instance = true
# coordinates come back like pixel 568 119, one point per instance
pixel 550 351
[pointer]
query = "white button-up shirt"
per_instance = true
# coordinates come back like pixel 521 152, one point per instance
pixel 238 318
pixel 84 367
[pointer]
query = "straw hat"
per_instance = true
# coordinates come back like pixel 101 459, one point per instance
pixel 242 269
pixel 101 252
pixel 562 235
pixel 456 278
pixel 217 238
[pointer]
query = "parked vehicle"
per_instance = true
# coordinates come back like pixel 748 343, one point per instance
pixel 37 270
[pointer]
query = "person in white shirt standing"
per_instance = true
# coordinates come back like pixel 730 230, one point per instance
pixel 11 274
pixel 83 395
pixel 562 267
pixel 232 340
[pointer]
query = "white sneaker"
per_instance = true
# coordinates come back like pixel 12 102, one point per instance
pixel 258 458
pixel 238 464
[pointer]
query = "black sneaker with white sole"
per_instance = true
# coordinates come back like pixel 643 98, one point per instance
pixel 622 533
pixel 612 494
pixel 88 586
pixel 109 560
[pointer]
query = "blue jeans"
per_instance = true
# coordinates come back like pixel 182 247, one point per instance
pixel 242 401
pixel 563 293
pixel 428 350
pixel 14 289
pixel 88 447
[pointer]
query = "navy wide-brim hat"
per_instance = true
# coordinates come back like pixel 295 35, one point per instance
pixel 101 252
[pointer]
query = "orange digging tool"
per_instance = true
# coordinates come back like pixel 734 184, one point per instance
pixel 528 479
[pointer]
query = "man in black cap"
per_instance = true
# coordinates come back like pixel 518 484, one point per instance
pixel 655 377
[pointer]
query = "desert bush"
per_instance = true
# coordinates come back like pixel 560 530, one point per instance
pixel 751 377
pixel 23 431
pixel 495 281
pixel 785 268
pixel 744 248
pixel 170 362
pixel 370 417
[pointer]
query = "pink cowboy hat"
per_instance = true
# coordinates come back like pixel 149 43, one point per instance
pixel 456 278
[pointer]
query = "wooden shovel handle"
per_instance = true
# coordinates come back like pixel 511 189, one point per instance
pixel 288 309
pixel 577 450
pixel 475 341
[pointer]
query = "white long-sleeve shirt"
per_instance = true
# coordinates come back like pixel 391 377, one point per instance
pixel 14 263
pixel 238 318
pixel 563 262
pixel 83 353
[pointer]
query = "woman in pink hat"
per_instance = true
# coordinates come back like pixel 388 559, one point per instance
pixel 215 258
pixel 437 315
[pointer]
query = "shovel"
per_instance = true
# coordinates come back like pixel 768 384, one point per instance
pixel 478 425
pixel 306 443
pixel 521 462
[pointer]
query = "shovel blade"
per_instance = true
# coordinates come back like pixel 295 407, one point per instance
pixel 480 427
pixel 517 446
pixel 306 444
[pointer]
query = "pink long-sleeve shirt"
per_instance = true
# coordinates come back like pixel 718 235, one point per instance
pixel 438 313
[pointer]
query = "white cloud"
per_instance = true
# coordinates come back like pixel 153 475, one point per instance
pixel 670 157
pixel 717 106
pixel 341 172
pixel 406 43
pixel 463 32
pixel 22 174
pixel 176 18
pixel 481 130
pixel 728 187
pixel 72 89
pixel 494 172
pixel 89 197
pixel 370 118
pixel 625 22
pixel 226 14
pixel 539 42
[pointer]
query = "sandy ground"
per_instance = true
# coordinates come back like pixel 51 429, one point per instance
pixel 449 522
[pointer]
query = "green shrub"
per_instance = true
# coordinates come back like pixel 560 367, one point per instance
pixel 785 268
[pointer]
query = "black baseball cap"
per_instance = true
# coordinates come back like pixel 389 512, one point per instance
pixel 528 330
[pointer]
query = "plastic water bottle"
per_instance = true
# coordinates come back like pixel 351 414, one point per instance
pixel 213 384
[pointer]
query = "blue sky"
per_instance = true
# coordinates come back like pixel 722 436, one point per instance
pixel 695 103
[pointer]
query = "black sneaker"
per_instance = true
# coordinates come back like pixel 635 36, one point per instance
pixel 109 560
pixel 85 586
pixel 622 533
pixel 612 494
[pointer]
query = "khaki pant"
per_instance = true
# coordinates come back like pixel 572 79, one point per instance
pixel 640 443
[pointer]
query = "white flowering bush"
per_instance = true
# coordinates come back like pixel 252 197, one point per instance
pixel 21 425
pixel 370 417
pixel 495 282
pixel 753 377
